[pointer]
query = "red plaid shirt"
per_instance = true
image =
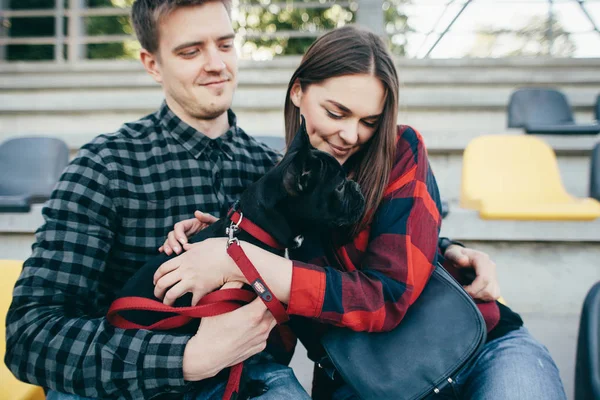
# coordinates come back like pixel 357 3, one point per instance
pixel 369 283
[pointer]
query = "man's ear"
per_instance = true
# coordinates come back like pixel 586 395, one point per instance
pixel 151 64
pixel 296 93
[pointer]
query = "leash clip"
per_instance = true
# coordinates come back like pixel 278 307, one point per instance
pixel 232 230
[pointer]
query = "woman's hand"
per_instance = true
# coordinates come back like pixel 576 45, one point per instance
pixel 485 285
pixel 177 239
pixel 204 267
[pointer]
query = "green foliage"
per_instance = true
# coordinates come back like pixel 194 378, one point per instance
pixel 260 16
pixel 30 27
pixel 45 26
pixel 253 18
pixel 256 16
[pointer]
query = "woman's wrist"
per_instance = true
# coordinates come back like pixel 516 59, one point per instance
pixel 231 272
pixel 276 271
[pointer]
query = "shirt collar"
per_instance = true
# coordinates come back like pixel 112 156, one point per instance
pixel 192 139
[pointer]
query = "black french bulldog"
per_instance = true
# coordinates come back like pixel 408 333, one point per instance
pixel 306 190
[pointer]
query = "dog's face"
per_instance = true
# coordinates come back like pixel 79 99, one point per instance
pixel 318 191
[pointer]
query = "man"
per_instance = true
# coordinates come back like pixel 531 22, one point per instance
pixel 112 208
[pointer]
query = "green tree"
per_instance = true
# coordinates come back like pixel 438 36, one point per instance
pixel 45 26
pixel 30 27
pixel 251 19
pixel 261 16
pixel 109 25
pixel 396 26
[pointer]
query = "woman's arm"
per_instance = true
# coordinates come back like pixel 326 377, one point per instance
pixel 397 254
pixel 398 257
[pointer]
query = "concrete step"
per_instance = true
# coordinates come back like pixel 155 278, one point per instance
pixel 261 98
pixel 462 224
pixel 278 71
pixel 443 131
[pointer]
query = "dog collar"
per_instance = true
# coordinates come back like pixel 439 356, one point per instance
pixel 239 222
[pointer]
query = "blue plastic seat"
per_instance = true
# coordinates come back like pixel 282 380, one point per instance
pixel 29 169
pixel 587 367
pixel 545 111
pixel 595 173
pixel 597 109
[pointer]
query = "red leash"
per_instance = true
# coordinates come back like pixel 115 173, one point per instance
pixel 215 303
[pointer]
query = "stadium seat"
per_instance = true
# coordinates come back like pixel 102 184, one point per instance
pixel 517 177
pixel 595 173
pixel 10 387
pixel 587 365
pixel 545 111
pixel 597 109
pixel 29 169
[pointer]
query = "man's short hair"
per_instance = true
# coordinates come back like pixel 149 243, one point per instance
pixel 147 14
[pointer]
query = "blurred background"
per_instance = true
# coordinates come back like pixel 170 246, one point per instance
pixel 69 70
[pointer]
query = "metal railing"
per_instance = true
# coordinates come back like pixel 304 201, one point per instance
pixel 70 40
pixel 77 38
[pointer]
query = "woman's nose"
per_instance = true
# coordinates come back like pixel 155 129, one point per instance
pixel 349 133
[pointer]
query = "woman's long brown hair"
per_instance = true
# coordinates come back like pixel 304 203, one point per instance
pixel 349 51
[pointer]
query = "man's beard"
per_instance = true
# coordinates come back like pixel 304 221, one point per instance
pixel 206 112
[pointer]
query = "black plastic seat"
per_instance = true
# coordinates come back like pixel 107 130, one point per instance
pixel 595 173
pixel 587 367
pixel 29 169
pixel 545 111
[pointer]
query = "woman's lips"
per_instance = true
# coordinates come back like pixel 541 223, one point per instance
pixel 339 151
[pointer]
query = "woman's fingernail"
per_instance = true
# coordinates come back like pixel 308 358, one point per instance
pixel 176 249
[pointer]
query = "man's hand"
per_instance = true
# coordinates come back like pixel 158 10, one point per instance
pixel 177 239
pixel 485 285
pixel 227 339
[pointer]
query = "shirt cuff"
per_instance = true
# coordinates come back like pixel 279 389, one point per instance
pixel 308 290
pixel 163 365
pixel 444 243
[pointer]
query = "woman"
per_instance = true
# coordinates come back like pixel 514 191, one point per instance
pixel 363 278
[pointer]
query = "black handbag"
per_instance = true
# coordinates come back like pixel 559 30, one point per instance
pixel 440 333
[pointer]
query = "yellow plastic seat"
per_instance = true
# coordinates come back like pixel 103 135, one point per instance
pixel 517 177
pixel 10 387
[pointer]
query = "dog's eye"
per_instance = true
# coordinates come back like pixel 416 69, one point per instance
pixel 340 187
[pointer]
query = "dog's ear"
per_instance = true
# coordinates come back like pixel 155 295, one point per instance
pixel 297 176
pixel 301 140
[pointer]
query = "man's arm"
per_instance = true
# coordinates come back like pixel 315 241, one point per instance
pixel 476 265
pixel 56 334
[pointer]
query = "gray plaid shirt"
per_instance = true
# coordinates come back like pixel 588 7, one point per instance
pixel 111 209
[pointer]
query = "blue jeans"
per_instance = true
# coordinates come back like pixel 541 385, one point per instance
pixel 282 383
pixel 514 366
